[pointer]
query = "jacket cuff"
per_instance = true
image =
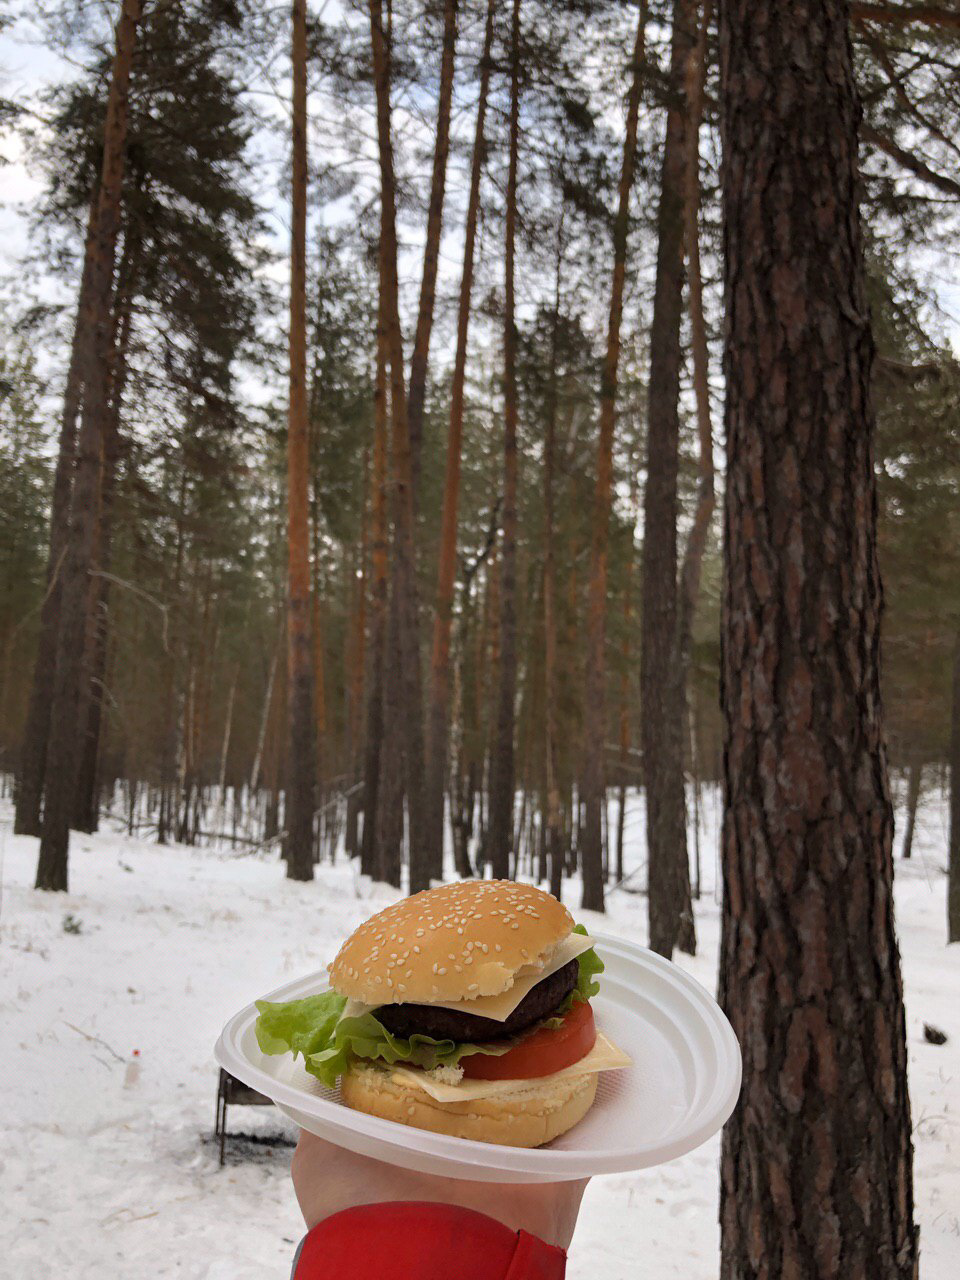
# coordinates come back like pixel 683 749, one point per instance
pixel 397 1240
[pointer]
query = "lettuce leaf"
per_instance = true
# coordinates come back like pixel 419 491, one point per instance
pixel 314 1029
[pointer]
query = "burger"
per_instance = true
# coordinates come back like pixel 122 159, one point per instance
pixel 464 1010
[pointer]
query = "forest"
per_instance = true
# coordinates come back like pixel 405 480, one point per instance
pixel 419 445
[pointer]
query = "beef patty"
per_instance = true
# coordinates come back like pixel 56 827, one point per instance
pixel 450 1024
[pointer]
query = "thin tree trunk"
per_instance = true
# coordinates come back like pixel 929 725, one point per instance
pixel 595 707
pixel 405 575
pixel 301 777
pixel 95 333
pixel 914 778
pixel 264 721
pixel 554 834
pixel 953 885
pixel 356 664
pixel 697 539
pixel 816 1177
pixel 661 704
pixel 378 612
pixel 446 571
pixel 502 754
pixel 33 749
pixel 431 252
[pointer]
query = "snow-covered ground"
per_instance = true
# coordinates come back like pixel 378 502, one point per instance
pixel 152 950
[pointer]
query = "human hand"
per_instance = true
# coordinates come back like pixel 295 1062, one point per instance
pixel 328 1179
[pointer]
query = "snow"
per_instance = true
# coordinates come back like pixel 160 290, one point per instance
pixel 98 1168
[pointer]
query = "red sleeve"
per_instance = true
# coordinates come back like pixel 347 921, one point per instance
pixel 410 1238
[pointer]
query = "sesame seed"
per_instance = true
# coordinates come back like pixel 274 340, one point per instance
pixel 441 970
pixel 474 986
pixel 458 968
pixel 498 947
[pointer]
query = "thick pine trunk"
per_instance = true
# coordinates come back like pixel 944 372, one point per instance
pixel 431 252
pixel 446 571
pixel 595 707
pixel 405 571
pixel 502 751
pixel 953 886
pixel 816 1177
pixel 33 748
pixel 301 775
pixel 661 704
pixel 378 613
pixel 96 331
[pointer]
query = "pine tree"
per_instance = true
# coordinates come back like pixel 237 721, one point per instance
pixel 807 817
pixel 62 756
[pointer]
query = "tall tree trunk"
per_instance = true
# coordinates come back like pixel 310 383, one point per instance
pixel 378 612
pixel 431 251
pixel 446 571
pixel 627 656
pixel 301 777
pixel 595 709
pixel 95 334
pixel 502 753
pixel 33 749
pixel 914 778
pixel 86 817
pixel 816 1177
pixel 405 575
pixel 953 885
pixel 553 835
pixel 356 664
pixel 697 538
pixel 661 718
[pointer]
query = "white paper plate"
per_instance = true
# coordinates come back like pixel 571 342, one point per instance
pixel 682 1086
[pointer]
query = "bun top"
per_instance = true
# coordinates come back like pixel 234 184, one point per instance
pixel 452 943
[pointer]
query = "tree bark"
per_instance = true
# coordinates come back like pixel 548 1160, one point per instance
pixel 446 571
pixel 33 749
pixel 816 1178
pixel 431 252
pixel 405 575
pixel 502 755
pixel 661 718
pixel 953 884
pixel 95 334
pixel 595 706
pixel 301 777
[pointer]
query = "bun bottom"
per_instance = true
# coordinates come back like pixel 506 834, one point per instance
pixel 527 1115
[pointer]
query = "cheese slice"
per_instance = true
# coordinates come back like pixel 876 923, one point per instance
pixel 500 1006
pixel 604 1056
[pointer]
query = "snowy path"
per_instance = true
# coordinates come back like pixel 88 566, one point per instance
pixel 98 1179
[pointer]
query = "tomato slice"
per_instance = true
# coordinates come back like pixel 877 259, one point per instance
pixel 541 1053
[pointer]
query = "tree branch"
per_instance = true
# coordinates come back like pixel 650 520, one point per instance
pixel 909 161
pixel 928 15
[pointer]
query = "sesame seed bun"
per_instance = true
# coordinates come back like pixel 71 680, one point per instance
pixel 452 943
pixel 527 1115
